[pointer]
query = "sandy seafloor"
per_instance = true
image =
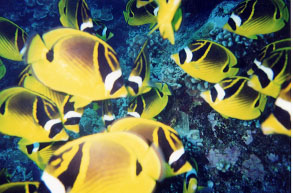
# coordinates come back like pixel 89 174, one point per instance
pixel 232 155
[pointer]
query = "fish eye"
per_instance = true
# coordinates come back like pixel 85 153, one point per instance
pixel 232 24
pixel 182 56
pixel 50 55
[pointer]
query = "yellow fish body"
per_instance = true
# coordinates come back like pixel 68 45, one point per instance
pixel 284 44
pixel 207 60
pixel 108 115
pixel 234 98
pixel 190 182
pixel 29 115
pixel 150 104
pixel 39 153
pixel 254 17
pixel 279 121
pixel 12 40
pixel 139 16
pixel 75 14
pixel 168 9
pixel 162 137
pixel 17 187
pixel 271 73
pixel 105 163
pixel 139 79
pixel 77 63
pixel 70 111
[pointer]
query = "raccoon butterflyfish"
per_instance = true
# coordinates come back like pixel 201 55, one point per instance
pixel 19 187
pixel 12 40
pixel 279 121
pixel 29 115
pixel 139 16
pixel 2 69
pixel 190 182
pixel 139 79
pixel 269 75
pixel 254 17
pixel 76 63
pixel 75 14
pixel 207 60
pixel 102 32
pixel 141 3
pixel 70 111
pixel 150 104
pixel 169 18
pixel 162 137
pixel 39 152
pixel 104 162
pixel 108 115
pixel 234 98
pixel 284 44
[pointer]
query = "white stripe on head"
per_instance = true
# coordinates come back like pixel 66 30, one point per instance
pixel 111 78
pixel 71 114
pixel 53 183
pixel 236 19
pixel 188 54
pixel 134 114
pixel 156 11
pixel 104 31
pixel 175 156
pixel 257 63
pixel 220 91
pixel 136 79
pixel 108 117
pixel 36 147
pixel 87 24
pixel 283 104
pixel 49 124
pixel 268 71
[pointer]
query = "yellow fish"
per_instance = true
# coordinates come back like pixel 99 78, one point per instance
pixel 39 153
pixel 12 40
pixel 75 14
pixel 139 78
pixel 234 98
pixel 279 121
pixel 146 14
pixel 108 115
pixel 207 60
pixel 284 44
pixel 190 182
pixel 76 63
pixel 150 104
pixel 271 73
pixel 162 137
pixel 69 106
pixel 105 163
pixel 29 115
pixel 169 18
pixel 254 17
pixel 2 69
pixel 19 187
pixel 102 32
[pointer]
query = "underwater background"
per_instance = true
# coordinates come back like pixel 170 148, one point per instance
pixel 232 155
